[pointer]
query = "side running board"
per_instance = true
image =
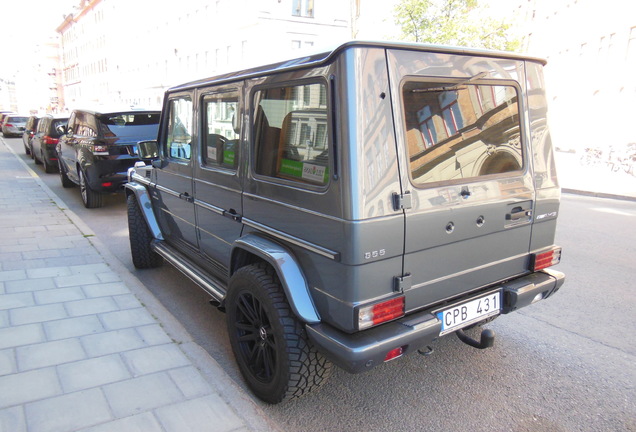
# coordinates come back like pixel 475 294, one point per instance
pixel 209 284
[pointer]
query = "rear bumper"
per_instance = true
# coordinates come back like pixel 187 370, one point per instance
pixel 112 170
pixel 362 351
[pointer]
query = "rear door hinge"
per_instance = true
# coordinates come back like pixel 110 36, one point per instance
pixel 402 283
pixel 402 201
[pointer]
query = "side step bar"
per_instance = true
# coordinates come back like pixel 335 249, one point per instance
pixel 209 284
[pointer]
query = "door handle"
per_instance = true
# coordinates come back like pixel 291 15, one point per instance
pixel 187 197
pixel 232 214
pixel 518 213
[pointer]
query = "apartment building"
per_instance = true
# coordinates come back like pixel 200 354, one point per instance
pixel 128 53
pixel 591 73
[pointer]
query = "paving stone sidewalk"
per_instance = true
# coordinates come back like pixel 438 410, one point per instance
pixel 83 346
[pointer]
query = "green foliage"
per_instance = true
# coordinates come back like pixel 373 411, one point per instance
pixel 454 22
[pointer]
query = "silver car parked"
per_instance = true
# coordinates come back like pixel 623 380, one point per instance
pixel 14 125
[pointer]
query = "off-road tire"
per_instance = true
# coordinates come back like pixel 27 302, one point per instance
pixel 90 198
pixel 270 345
pixel 143 256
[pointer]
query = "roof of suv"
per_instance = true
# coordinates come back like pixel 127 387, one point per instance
pixel 325 56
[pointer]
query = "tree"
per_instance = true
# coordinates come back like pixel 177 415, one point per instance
pixel 454 22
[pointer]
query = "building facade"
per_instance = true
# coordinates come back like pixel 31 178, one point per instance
pixel 127 53
pixel 590 46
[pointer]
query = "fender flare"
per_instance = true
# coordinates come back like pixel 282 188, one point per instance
pixel 145 204
pixel 289 272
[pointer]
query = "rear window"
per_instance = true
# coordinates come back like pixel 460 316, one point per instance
pixel 461 131
pixel 17 119
pixel 129 124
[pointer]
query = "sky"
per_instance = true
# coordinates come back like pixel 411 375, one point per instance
pixel 26 23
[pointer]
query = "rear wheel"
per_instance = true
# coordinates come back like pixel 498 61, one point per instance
pixel 269 343
pixel 48 168
pixel 140 237
pixel 35 157
pixel 90 198
pixel 66 182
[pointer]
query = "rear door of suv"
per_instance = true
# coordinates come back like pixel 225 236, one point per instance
pixel 466 168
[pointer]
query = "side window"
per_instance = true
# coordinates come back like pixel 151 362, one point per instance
pixel 221 130
pixel 179 142
pixel 457 132
pixel 42 125
pixel 85 124
pixel 291 133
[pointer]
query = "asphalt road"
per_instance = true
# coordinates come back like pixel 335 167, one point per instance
pixel 564 364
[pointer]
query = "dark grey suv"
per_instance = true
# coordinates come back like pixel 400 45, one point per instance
pixel 96 149
pixel 351 207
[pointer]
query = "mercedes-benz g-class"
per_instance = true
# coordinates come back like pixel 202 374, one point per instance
pixel 353 206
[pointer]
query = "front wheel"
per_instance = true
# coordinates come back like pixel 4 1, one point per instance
pixel 90 198
pixel 140 237
pixel 269 343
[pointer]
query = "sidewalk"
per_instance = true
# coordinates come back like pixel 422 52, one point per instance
pixel 83 345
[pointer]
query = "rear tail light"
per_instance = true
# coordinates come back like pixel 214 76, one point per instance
pixel 49 140
pixel 100 150
pixel 546 259
pixel 9 125
pixel 369 316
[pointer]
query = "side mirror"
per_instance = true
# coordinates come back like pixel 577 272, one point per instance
pixel 61 129
pixel 148 149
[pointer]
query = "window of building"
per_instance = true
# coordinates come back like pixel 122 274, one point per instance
pixel 221 130
pixel 291 134
pixel 457 132
pixel 631 45
pixel 303 8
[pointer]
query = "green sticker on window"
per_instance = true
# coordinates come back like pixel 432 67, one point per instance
pixel 306 171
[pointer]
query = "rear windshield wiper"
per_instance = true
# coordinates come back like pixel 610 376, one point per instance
pixel 452 87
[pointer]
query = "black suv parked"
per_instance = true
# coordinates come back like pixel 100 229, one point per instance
pixel 97 148
pixel 45 140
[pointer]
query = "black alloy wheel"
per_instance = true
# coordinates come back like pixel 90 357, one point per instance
pixel 269 343
pixel 90 198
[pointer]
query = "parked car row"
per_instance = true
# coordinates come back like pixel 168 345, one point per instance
pixel 90 149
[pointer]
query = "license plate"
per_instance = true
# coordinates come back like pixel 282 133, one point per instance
pixel 469 312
